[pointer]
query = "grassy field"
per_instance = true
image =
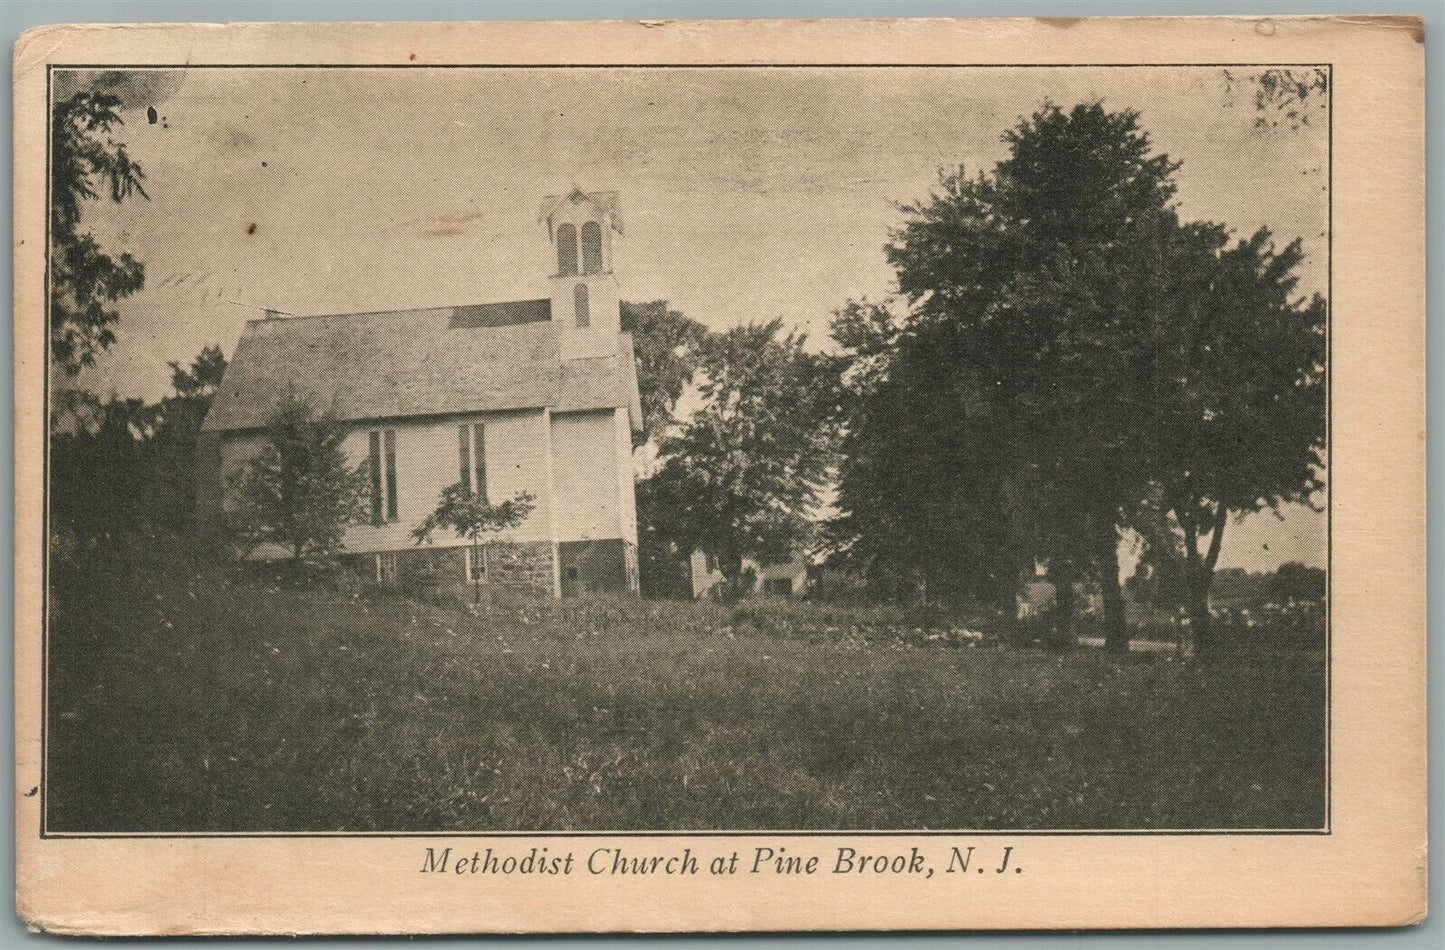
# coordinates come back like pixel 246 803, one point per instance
pixel 189 702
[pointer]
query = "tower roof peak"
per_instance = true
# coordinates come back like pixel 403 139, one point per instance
pixel 604 202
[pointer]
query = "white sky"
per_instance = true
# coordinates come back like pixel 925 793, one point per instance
pixel 747 193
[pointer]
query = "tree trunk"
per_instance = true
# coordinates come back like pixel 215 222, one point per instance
pixel 1198 611
pixel 477 569
pixel 299 574
pixel 1116 627
pixel 731 567
pixel 1202 582
pixel 1061 636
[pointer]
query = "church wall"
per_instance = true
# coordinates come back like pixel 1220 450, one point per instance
pixel 427 461
pixel 626 491
pixel 584 458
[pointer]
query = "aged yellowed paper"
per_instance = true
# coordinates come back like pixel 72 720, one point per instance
pixel 713 476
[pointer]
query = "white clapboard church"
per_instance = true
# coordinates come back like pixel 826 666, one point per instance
pixel 537 395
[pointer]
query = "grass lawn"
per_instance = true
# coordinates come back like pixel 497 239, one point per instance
pixel 183 702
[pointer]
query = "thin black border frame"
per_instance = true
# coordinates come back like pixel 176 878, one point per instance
pixel 46 834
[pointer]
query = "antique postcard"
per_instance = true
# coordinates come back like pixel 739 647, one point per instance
pixel 714 476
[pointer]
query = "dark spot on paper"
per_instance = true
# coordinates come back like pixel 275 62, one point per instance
pixel 412 57
pixel 251 228
pixel 151 116
pixel 264 165
pixel 33 790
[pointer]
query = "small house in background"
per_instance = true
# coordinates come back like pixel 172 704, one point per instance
pixel 532 395
pixel 1038 596
pixel 1035 598
pixel 785 579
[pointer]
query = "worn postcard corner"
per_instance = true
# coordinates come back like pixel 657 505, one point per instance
pixel 717 476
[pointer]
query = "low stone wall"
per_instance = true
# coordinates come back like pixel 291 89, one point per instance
pixel 522 566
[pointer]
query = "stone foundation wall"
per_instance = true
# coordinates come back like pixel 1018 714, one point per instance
pixel 601 566
pixel 522 566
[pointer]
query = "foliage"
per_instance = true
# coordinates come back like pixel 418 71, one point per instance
pixel 123 463
pixel 663 566
pixel 744 474
pixel 1284 96
pixel 667 345
pixel 470 516
pixel 1237 389
pixel 1294 582
pixel 299 491
pixel 86 163
pixel 919 494
pixel 1006 413
pixel 1074 362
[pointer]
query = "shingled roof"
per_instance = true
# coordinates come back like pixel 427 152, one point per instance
pixel 395 364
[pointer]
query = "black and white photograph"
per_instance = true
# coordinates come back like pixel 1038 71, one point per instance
pixel 701 476
pixel 687 449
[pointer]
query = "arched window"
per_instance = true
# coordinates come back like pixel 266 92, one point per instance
pixel 566 249
pixel 580 305
pixel 591 248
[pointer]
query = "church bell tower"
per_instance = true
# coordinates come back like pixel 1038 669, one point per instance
pixel 580 227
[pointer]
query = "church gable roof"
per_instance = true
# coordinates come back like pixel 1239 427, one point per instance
pixel 396 364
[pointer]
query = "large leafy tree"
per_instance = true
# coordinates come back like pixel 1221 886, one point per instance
pixel 1238 397
pixel 87 163
pixel 128 466
pixel 1024 296
pixel 1074 363
pixel 299 491
pixel 667 345
pixel 919 492
pixel 743 476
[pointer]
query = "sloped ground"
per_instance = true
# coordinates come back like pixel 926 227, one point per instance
pixel 183 701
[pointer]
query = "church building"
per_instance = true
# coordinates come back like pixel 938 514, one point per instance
pixel 532 395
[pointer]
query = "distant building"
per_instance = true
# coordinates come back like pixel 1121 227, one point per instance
pixel 787 579
pixel 536 395
pixel 1034 598
pixel 1037 596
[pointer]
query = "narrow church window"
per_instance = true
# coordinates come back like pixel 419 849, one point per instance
pixel 382 466
pixel 390 442
pixel 374 459
pixel 591 248
pixel 566 249
pixel 580 305
pixel 464 455
pixel 472 458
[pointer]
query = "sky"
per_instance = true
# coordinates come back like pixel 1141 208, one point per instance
pixel 746 193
